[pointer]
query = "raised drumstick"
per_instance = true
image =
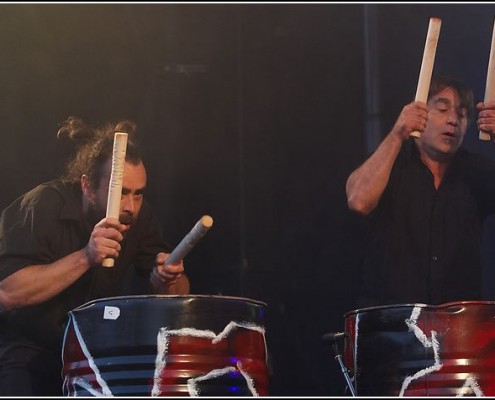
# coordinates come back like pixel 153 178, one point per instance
pixel 115 184
pixel 490 82
pixel 427 64
pixel 190 240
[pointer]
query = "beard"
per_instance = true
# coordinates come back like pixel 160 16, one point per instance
pixel 126 218
pixel 95 214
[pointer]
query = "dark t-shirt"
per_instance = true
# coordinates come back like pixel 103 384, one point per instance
pixel 424 243
pixel 44 225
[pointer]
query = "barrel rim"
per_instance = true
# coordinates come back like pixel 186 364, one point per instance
pixel 93 302
pixel 420 305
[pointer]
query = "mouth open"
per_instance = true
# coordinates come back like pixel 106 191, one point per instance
pixel 449 137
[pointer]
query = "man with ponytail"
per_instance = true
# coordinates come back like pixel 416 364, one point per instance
pixel 53 240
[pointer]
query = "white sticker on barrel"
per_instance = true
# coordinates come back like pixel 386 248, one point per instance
pixel 111 312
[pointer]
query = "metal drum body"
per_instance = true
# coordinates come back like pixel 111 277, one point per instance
pixel 166 346
pixel 422 350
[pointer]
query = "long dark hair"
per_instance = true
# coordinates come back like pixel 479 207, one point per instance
pixel 94 147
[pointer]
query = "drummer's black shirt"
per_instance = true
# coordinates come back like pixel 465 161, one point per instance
pixel 425 243
pixel 45 225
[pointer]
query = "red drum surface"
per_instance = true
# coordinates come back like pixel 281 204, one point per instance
pixel 166 346
pixel 422 350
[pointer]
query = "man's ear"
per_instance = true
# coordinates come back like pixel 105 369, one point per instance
pixel 86 187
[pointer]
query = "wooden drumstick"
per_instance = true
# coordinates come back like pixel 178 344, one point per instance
pixel 427 64
pixel 190 240
pixel 115 184
pixel 490 82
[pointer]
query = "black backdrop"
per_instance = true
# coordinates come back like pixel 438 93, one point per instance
pixel 251 113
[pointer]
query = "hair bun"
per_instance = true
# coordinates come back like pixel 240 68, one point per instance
pixel 126 126
pixel 76 129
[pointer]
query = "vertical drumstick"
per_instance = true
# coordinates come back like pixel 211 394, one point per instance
pixel 490 82
pixel 190 240
pixel 115 184
pixel 427 63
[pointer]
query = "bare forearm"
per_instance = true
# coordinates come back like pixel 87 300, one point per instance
pixel 38 283
pixel 367 183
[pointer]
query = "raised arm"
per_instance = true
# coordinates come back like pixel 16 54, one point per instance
pixel 366 184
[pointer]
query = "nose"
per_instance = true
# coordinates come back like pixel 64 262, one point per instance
pixel 127 204
pixel 453 118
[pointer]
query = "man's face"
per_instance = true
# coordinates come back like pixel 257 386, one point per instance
pixel 447 123
pixel 133 186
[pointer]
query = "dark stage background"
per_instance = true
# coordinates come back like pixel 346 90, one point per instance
pixel 251 113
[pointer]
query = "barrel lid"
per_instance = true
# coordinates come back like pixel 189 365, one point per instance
pixel 420 305
pixel 165 297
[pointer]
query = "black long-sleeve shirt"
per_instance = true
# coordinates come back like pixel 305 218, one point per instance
pixel 424 244
pixel 45 225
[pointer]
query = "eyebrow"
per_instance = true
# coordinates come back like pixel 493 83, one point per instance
pixel 138 191
pixel 443 100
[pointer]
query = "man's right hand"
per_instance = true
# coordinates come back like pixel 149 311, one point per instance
pixel 105 241
pixel 412 118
